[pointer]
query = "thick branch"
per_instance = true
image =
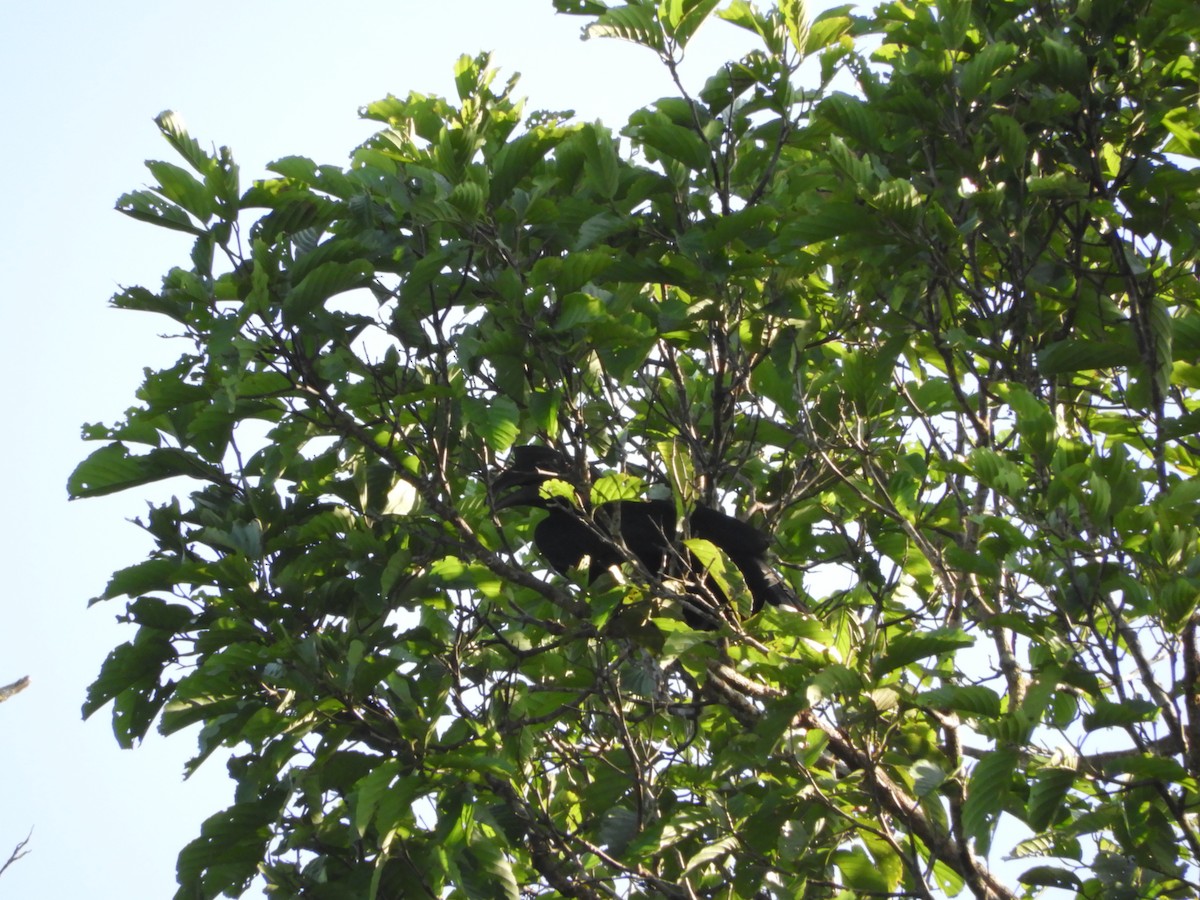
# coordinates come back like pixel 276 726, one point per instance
pixel 11 690
pixel 1191 699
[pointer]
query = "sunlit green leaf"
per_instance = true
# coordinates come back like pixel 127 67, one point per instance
pixel 112 468
pixel 496 419
pixel 633 22
pixel 148 207
pixel 676 142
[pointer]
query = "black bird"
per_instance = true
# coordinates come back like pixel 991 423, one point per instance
pixel 644 528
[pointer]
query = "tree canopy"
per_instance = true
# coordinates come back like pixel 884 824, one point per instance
pixel 926 311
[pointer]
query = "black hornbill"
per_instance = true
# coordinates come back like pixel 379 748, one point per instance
pixel 644 528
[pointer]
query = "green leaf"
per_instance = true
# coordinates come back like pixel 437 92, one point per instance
pixel 713 853
pixel 598 228
pixel 635 22
pixel 222 182
pixel 829 220
pixel 954 17
pixel 909 648
pixel 795 19
pixel 496 877
pixel 975 700
pixel 833 681
pixel 150 575
pixel 997 472
pixel 656 131
pixel 1130 711
pixel 854 167
pixel 147 207
pixel 745 15
pixel 469 199
pixel 1065 62
pixel 578 309
pixel 987 793
pixel 927 777
pixel 133 665
pixel 401 499
pixel 1080 355
pixel 1051 876
pixel 618 827
pixel 853 117
pixel 602 165
pixel 370 790
pixel 516 161
pixel 1181 122
pixel 1034 420
pixel 159 615
pixel 979 69
pixel 298 168
pixel 226 856
pixel 680 471
pixel 580 268
pixel 496 419
pixel 172 128
pixel 683 17
pixel 859 872
pixel 1158 768
pixel 470 73
pixel 181 187
pixel 324 282
pixel 1046 796
pixel 113 468
pixel 1010 135
pixel 828 28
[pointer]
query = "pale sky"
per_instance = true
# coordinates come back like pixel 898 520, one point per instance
pixel 81 84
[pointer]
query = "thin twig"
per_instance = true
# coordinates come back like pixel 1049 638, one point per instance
pixel 19 850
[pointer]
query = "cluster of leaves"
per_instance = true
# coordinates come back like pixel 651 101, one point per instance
pixel 940 336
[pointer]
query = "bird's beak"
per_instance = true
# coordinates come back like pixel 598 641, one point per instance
pixel 515 488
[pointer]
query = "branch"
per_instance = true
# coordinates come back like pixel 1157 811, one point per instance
pixel 563 874
pixel 1094 765
pixel 346 425
pixel 11 690
pixel 19 850
pixel 1191 701
pixel 894 799
pixel 891 796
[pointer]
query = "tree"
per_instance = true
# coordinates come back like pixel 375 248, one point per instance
pixel 940 337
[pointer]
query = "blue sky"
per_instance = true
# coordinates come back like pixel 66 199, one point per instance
pixel 81 85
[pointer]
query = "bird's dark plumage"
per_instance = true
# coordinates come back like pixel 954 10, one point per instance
pixel 644 528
